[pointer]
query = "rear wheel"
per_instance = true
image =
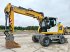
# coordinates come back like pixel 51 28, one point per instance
pixel 45 41
pixel 62 40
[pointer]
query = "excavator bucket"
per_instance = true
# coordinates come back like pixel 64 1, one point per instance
pixel 11 44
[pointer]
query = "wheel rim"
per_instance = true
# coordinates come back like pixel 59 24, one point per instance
pixel 46 42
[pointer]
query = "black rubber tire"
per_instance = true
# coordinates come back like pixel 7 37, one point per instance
pixel 34 38
pixel 43 41
pixel 62 40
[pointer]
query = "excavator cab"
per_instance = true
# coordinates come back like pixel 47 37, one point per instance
pixel 47 23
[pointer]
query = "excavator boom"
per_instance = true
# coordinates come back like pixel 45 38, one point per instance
pixel 10 9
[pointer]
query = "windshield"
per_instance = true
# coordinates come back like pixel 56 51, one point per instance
pixel 49 22
pixel 44 23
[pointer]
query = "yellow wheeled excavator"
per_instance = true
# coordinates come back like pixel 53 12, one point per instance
pixel 45 23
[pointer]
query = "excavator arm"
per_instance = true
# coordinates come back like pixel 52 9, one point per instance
pixel 10 10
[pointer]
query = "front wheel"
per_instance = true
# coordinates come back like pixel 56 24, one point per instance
pixel 45 41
